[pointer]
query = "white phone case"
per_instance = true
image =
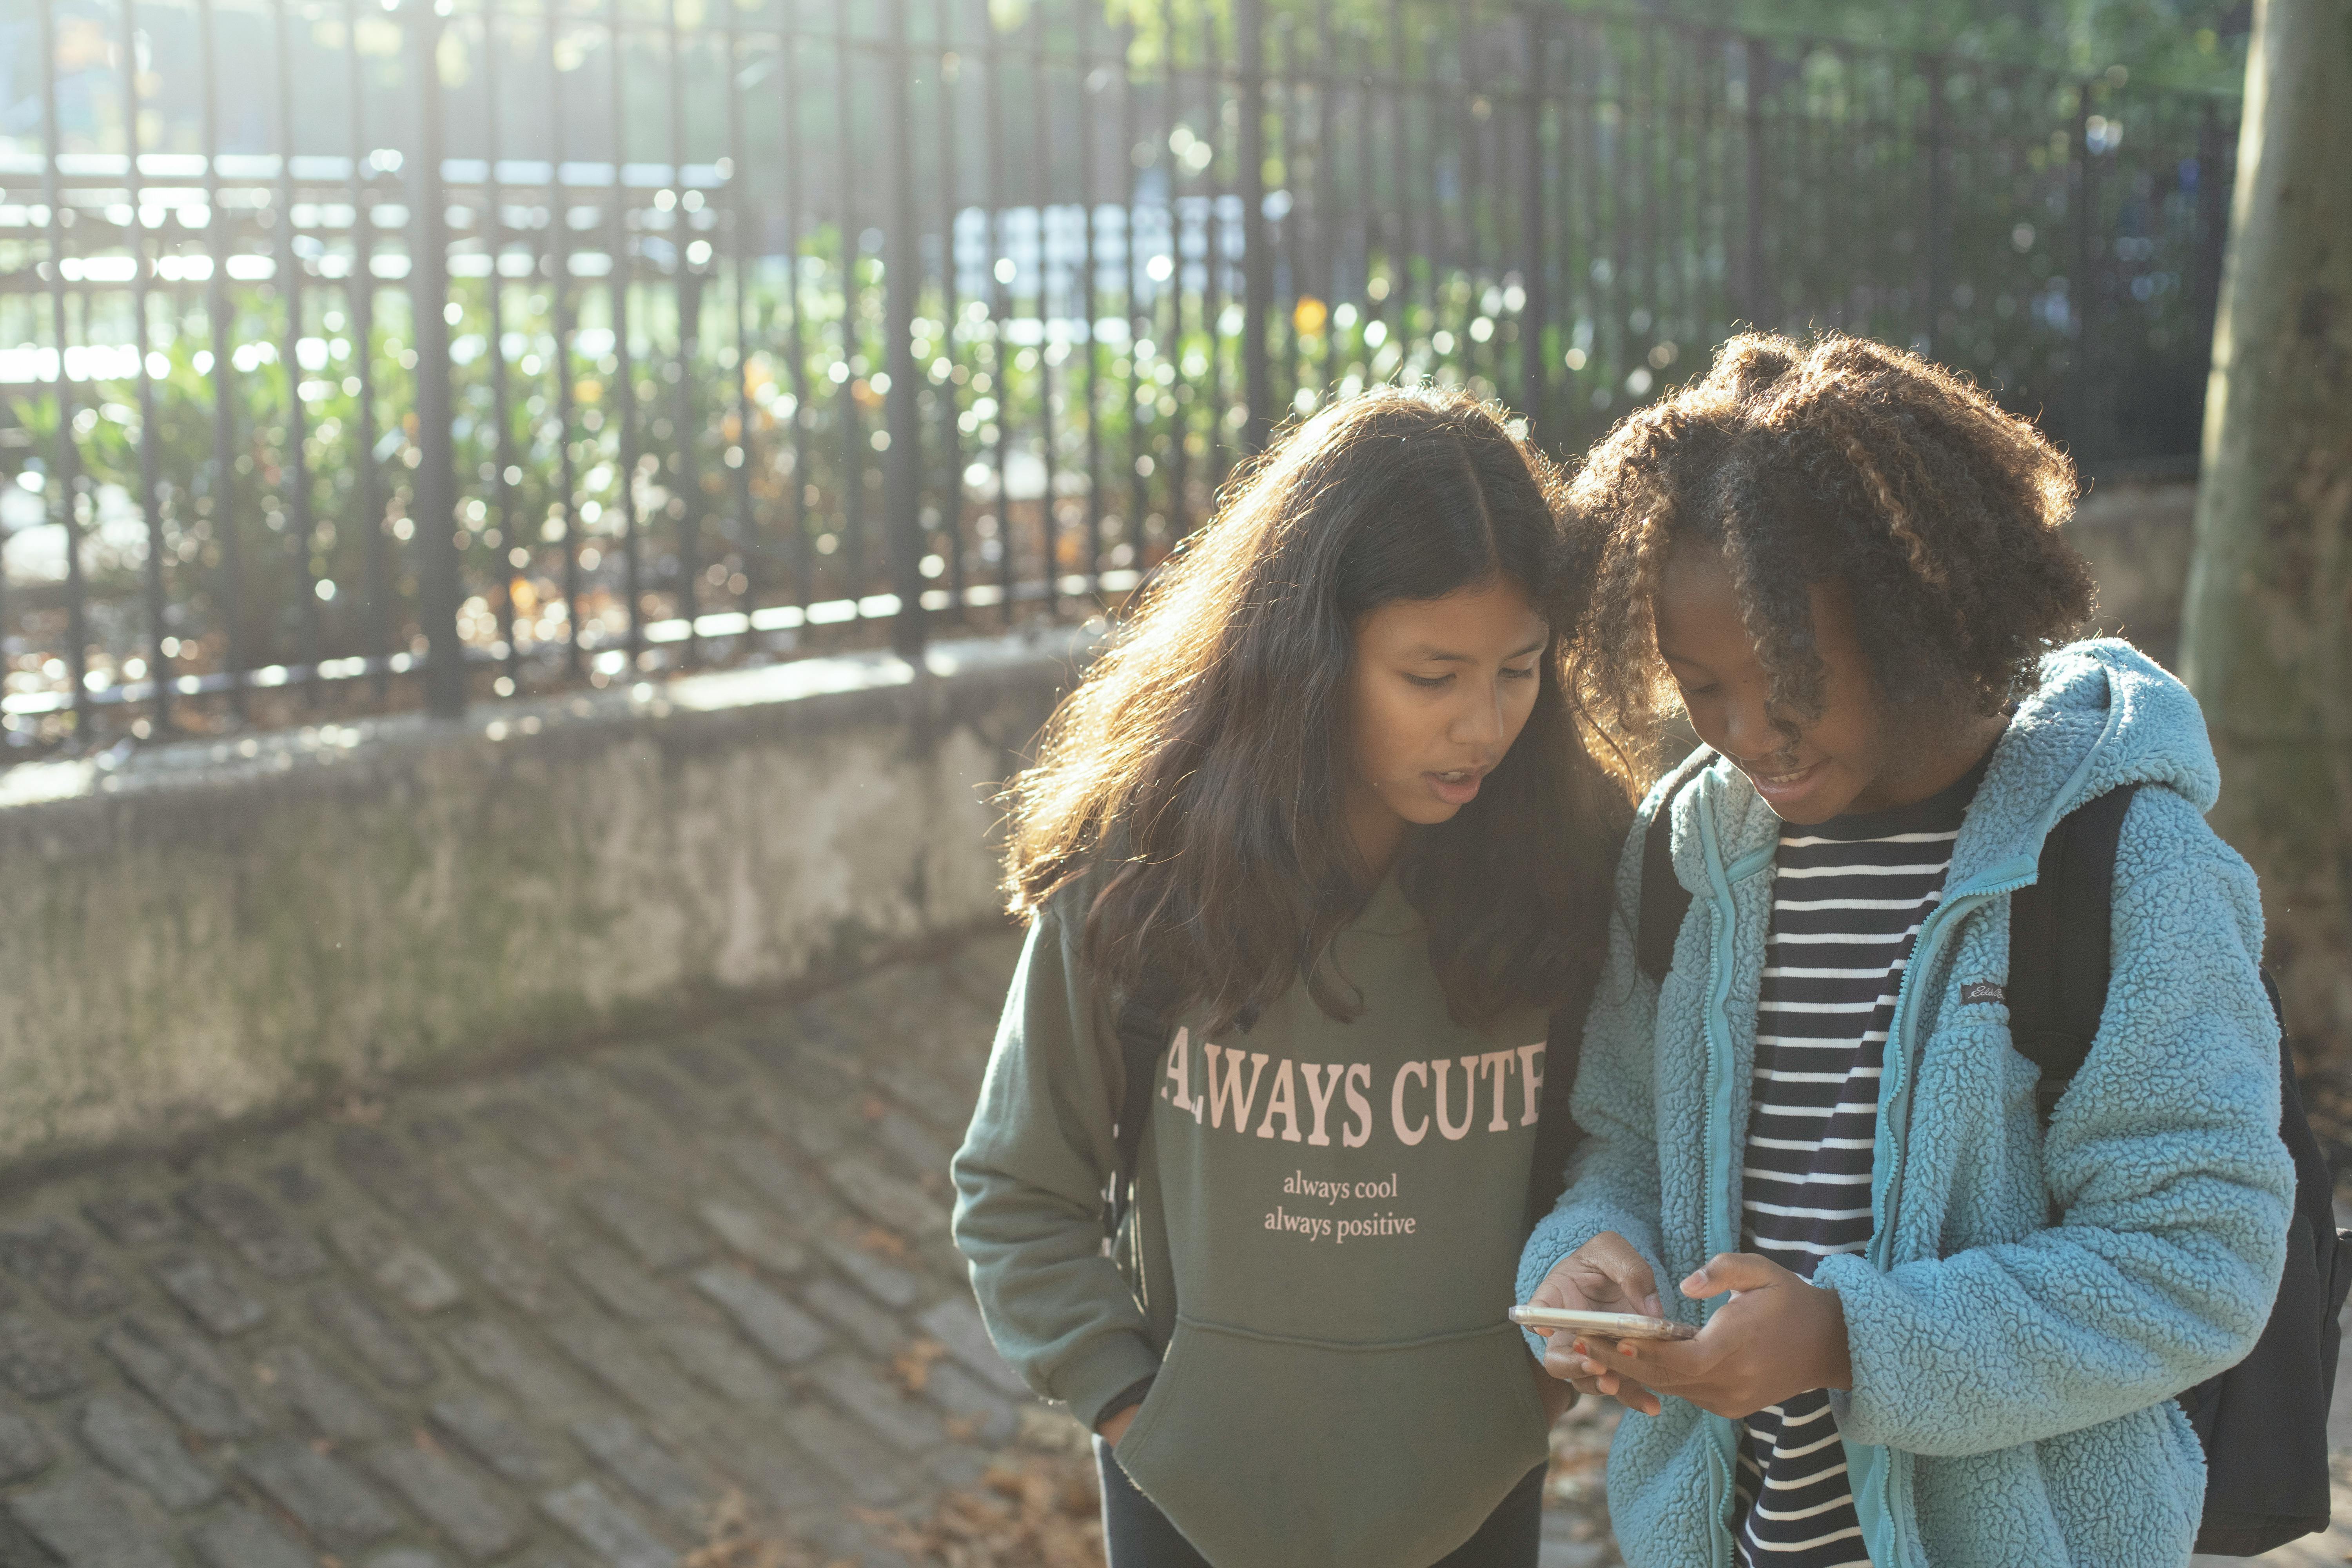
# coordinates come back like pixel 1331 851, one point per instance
pixel 1607 1325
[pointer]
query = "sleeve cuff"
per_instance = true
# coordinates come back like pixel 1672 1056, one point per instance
pixel 1092 1381
pixel 1535 1266
pixel 1564 1230
pixel 1850 1277
pixel 1126 1399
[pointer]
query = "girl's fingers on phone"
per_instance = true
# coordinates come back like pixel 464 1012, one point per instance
pixel 1622 1264
pixel 1592 1376
pixel 1614 1358
pixel 1632 1395
pixel 1586 1385
pixel 1569 1368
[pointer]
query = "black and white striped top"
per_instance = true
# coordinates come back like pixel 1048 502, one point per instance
pixel 1848 899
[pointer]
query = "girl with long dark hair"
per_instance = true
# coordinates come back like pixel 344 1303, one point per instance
pixel 1324 813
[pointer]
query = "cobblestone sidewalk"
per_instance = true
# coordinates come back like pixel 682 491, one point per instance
pixel 689 1304
pixel 682 1305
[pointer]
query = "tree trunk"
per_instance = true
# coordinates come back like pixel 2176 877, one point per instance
pixel 2267 627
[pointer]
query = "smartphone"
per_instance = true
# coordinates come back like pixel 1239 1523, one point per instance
pixel 1602 1325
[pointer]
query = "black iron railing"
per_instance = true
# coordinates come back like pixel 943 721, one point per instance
pixel 357 357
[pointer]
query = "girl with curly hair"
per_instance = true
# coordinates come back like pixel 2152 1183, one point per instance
pixel 1320 826
pixel 1929 1331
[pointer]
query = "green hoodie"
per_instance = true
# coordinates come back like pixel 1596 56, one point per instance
pixel 1321 1252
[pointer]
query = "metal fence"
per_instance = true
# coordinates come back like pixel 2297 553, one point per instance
pixel 361 355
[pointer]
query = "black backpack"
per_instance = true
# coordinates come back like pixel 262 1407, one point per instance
pixel 2263 1422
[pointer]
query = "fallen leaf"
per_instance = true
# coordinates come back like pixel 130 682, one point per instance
pixel 737 1539
pixel 1030 1510
pixel 880 1242
pixel 912 1366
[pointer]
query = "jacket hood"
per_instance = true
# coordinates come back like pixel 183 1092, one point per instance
pixel 2106 715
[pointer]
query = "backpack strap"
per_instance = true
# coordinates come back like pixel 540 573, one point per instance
pixel 2059 945
pixel 1144 1029
pixel 1664 901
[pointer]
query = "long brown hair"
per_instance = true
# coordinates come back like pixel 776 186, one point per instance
pixel 1193 784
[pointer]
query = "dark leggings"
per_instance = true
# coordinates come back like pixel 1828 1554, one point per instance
pixel 1136 1534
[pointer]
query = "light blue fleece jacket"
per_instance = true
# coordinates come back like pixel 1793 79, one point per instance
pixel 2013 1378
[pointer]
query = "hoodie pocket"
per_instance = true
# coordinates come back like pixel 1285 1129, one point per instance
pixel 1270 1452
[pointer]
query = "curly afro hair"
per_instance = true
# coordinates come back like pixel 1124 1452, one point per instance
pixel 1837 458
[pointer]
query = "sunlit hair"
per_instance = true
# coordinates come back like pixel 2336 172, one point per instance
pixel 1189 793
pixel 1840 458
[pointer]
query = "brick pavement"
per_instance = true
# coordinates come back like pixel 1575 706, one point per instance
pixel 682 1304
pixel 606 1311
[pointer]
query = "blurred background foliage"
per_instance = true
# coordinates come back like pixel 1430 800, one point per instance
pixel 2175 43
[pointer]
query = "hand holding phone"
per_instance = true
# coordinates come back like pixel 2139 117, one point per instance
pixel 1606 1275
pixel 1778 1335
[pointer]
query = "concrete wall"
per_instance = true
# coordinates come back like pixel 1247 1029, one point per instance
pixel 2137 534
pixel 208 930
pixel 205 931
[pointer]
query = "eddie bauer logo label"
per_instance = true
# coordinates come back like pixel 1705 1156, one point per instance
pixel 1982 991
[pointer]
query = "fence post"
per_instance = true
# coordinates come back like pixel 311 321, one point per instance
pixel 150 450
pixel 1534 317
pixel 558 289
pixel 742 219
pixel 788 96
pixel 1257 256
pixel 2081 295
pixel 625 370
pixel 1759 64
pixel 1049 527
pixel 850 530
pixel 1940 201
pixel 220 486
pixel 951 486
pixel 434 496
pixel 301 527
pixel 378 598
pixel 503 570
pixel 64 485
pixel 686 292
pixel 901 276
pixel 1087 307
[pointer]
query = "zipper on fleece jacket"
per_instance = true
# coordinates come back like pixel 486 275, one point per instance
pixel 1723 1235
pixel 1895 1092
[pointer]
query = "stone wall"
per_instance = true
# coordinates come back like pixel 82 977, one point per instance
pixel 2137 534
pixel 206 932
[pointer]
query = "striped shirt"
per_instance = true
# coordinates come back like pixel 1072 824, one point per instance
pixel 1848 899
